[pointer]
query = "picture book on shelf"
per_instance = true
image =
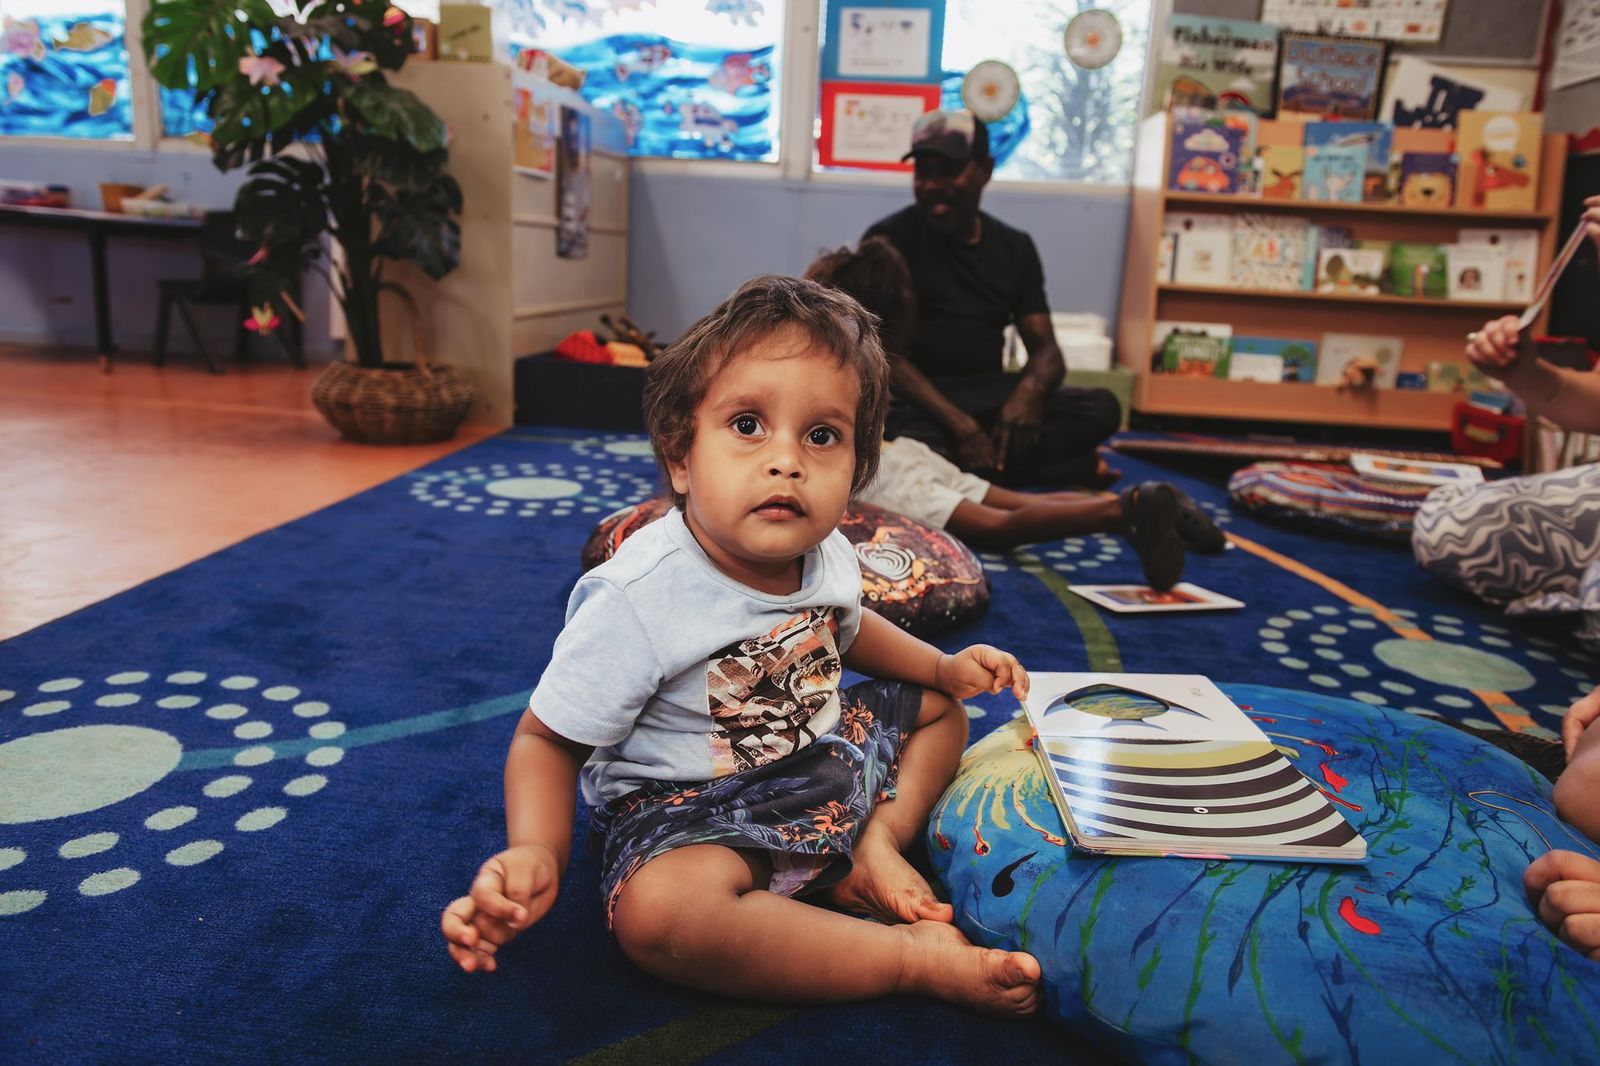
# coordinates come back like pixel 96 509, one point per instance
pixel 1205 249
pixel 1335 77
pixel 1427 179
pixel 1205 152
pixel 1322 237
pixel 1499 153
pixel 1349 270
pixel 1419 94
pixel 1269 252
pixel 1521 247
pixel 1335 173
pixel 1417 269
pixel 1374 138
pixel 1475 271
pixel 1280 169
pixel 1216 62
pixel 1339 350
pixel 1297 359
pixel 1248 366
pixel 1192 349
pixel 1166 764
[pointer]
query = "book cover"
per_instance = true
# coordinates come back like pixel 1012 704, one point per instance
pixel 1417 269
pixel 1427 179
pixel 1419 94
pixel 1374 138
pixel 1444 377
pixel 1336 173
pixel 1475 271
pixel 1217 62
pixel 1319 238
pixel 1280 169
pixel 1499 152
pixel 1521 247
pixel 1195 354
pixel 1166 764
pixel 1339 350
pixel 1269 252
pixel 1296 358
pixel 1166 254
pixel 1246 366
pixel 1349 270
pixel 1205 249
pixel 1205 152
pixel 1330 77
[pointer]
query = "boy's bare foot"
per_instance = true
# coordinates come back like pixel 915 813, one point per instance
pixel 940 962
pixel 882 884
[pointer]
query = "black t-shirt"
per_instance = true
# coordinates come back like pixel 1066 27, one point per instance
pixel 966 293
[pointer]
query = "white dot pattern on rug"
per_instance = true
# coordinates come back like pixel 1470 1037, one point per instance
pixel 530 490
pixel 174 742
pixel 1464 657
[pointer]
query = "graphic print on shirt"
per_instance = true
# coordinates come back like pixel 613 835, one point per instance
pixel 773 694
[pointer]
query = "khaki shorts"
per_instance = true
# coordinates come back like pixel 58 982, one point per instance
pixel 919 483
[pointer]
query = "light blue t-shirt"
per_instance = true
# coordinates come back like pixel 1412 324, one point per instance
pixel 674 671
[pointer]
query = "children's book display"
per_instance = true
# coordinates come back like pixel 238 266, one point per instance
pixel 1373 138
pixel 1417 269
pixel 1427 179
pixel 1330 77
pixel 1521 250
pixel 1378 353
pixel 1192 349
pixel 1166 765
pixel 1269 252
pixel 1499 153
pixel 1415 472
pixel 1280 171
pixel 1349 270
pixel 1475 271
pixel 1296 359
pixel 1217 62
pixel 1335 173
pixel 1204 254
pixel 1205 153
pixel 1142 599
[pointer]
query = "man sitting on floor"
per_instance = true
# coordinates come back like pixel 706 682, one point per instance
pixel 973 276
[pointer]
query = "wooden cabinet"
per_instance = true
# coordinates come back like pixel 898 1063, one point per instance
pixel 1433 329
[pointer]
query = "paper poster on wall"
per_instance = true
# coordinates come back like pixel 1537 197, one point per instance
pixel 1577 44
pixel 572 185
pixel 884 40
pixel 533 130
pixel 1412 21
pixel 1421 95
pixel 868 124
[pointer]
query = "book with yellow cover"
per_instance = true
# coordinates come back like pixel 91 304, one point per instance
pixel 1165 764
pixel 1499 151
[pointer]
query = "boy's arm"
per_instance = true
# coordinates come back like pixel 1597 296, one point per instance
pixel 541 787
pixel 884 650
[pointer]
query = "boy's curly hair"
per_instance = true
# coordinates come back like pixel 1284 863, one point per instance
pixel 676 381
pixel 877 276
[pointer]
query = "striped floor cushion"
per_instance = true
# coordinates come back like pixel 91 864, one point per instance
pixel 1328 499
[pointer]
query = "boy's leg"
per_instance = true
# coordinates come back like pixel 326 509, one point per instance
pixel 699 916
pixel 881 882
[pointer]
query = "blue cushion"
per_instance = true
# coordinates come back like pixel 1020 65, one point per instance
pixel 1429 953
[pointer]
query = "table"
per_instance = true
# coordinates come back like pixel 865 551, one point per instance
pixel 99 225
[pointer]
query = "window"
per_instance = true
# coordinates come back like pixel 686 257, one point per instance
pixel 64 70
pixel 692 79
pixel 1071 124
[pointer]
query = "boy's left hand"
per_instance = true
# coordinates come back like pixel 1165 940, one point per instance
pixel 1564 888
pixel 980 668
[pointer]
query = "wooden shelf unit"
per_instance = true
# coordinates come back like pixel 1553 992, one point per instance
pixel 1434 330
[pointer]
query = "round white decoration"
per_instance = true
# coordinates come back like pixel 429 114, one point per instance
pixel 990 90
pixel 1093 38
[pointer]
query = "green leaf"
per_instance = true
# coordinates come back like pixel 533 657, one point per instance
pixel 283 208
pixel 396 114
pixel 358 25
pixel 252 118
pixel 206 33
pixel 417 224
pixel 395 163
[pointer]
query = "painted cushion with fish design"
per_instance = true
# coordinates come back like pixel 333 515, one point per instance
pixel 1427 953
pixel 920 578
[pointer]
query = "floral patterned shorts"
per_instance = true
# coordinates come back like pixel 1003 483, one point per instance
pixel 803 812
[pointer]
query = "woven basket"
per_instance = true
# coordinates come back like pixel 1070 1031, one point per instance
pixel 397 403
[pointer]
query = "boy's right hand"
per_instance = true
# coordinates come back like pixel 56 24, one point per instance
pixel 513 890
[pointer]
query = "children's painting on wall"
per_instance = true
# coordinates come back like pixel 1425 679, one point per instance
pixel 572 178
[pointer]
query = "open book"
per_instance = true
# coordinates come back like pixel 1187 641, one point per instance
pixel 1165 764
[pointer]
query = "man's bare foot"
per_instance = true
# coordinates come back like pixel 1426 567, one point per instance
pixel 882 884
pixel 942 963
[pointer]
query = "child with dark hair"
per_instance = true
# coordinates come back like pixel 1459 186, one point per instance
pixel 1158 518
pixel 696 690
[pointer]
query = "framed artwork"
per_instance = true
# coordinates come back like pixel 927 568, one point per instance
pixel 883 40
pixel 868 124
pixel 1330 77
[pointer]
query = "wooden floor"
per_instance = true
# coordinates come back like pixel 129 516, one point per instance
pixel 108 480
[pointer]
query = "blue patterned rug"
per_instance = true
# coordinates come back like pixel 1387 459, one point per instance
pixel 234 799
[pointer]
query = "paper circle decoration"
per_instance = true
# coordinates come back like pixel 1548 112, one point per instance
pixel 990 90
pixel 1093 38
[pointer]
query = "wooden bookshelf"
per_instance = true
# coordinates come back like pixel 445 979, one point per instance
pixel 1433 330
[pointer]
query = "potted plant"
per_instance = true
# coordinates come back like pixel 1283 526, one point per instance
pixel 367 173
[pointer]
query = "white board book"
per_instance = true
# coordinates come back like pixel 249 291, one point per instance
pixel 1166 765
pixel 1415 471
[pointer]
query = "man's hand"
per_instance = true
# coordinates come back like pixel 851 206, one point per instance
pixel 980 668
pixel 975 451
pixel 1564 887
pixel 1016 434
pixel 513 890
pixel 1579 717
pixel 1496 347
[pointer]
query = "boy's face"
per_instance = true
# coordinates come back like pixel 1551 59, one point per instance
pixel 768 475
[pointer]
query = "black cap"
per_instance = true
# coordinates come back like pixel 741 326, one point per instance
pixel 953 134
